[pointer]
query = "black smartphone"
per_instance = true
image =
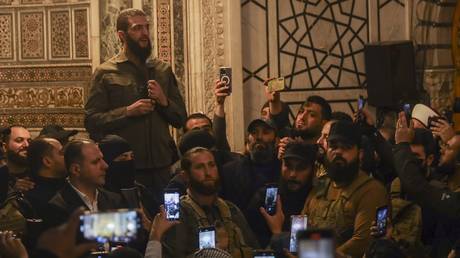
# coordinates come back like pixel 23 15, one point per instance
pixel 298 223
pixel 381 219
pixel 316 243
pixel 271 194
pixel 171 204
pixel 114 226
pixel 408 112
pixel 207 237
pixel 225 75
pixel 264 254
pixel 360 103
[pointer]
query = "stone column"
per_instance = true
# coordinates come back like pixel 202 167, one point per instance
pixel 213 39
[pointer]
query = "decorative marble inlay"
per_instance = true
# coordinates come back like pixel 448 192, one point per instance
pixel 42 74
pixel 60 34
pixel 41 97
pixel 31 1
pixel 164 30
pixel 5 2
pixel 179 47
pixel 31 120
pixel 81 33
pixel 6 36
pixel 32 35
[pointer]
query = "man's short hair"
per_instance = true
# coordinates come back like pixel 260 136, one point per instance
pixel 425 138
pixel 186 161
pixel 6 132
pixel 196 116
pixel 38 149
pixel 122 20
pixel 73 152
pixel 341 116
pixel 326 110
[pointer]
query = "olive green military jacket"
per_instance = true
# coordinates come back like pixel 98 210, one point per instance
pixel 119 83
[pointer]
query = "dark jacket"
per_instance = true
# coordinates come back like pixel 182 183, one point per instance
pixel 444 203
pixel 119 83
pixel 219 127
pixel 66 201
pixel 242 178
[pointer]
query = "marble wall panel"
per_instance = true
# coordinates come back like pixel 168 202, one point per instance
pixel 31 1
pixel 179 46
pixel 60 34
pixel 6 36
pixel 391 20
pixel 81 33
pixel 5 2
pixel 32 35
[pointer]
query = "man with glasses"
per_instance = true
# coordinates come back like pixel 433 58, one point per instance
pixel 137 97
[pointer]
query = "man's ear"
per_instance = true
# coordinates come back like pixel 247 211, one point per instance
pixel 429 160
pixel 121 36
pixel 47 162
pixel 3 146
pixel 74 169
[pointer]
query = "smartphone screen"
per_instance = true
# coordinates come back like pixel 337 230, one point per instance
pixel 264 254
pixel 271 194
pixel 207 237
pixel 360 103
pixel 117 226
pixel 381 218
pixel 408 112
pixel 318 243
pixel 298 223
pixel 171 203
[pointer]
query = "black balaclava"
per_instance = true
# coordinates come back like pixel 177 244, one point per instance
pixel 120 174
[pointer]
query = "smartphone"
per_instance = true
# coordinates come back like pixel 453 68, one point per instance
pixel 225 75
pixel 171 204
pixel 271 194
pixel 298 223
pixel 207 237
pixel 408 112
pixel 264 254
pixel 276 84
pixel 381 218
pixel 360 103
pixel 115 226
pixel 316 243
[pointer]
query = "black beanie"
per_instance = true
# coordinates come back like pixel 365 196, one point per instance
pixel 113 146
pixel 196 138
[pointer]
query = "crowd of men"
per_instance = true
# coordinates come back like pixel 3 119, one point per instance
pixel 334 168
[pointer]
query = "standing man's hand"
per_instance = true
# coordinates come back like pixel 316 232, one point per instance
pixel 156 93
pixel 220 92
pixel 140 107
pixel 443 129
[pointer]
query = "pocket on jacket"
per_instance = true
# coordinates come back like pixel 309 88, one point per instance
pixel 121 89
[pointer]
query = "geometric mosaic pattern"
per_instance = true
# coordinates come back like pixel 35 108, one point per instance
pixel 32 35
pixel 81 33
pixel 60 34
pixel 45 74
pixel 6 36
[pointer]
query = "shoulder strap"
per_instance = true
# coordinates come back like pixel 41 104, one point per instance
pixel 199 213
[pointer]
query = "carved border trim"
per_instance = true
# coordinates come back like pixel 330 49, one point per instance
pixel 43 74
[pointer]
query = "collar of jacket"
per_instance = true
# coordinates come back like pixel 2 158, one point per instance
pixel 122 57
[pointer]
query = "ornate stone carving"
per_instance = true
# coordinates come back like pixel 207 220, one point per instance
pixel 32 35
pixel 81 33
pixel 6 36
pixel 60 34
pixel 41 97
pixel 164 30
pixel 5 2
pixel 31 1
pixel 67 119
pixel 40 74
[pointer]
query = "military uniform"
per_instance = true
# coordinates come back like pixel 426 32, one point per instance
pixel 232 230
pixel 348 210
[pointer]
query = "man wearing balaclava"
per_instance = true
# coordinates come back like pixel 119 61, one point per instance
pixel 120 176
pixel 242 178
pixel 346 202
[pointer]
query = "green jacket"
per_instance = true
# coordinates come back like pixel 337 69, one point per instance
pixel 119 83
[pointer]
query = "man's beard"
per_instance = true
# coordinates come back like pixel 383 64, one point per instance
pixel 141 52
pixel 306 134
pixel 342 172
pixel 261 152
pixel 16 158
pixel 204 189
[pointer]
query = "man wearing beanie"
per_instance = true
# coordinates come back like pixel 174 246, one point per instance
pixel 347 201
pixel 120 176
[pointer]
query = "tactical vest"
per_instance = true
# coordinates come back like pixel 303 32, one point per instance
pixel 236 245
pixel 407 217
pixel 10 216
pixel 339 214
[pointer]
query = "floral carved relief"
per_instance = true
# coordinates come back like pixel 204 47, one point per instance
pixel 60 34
pixel 32 35
pixel 6 36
